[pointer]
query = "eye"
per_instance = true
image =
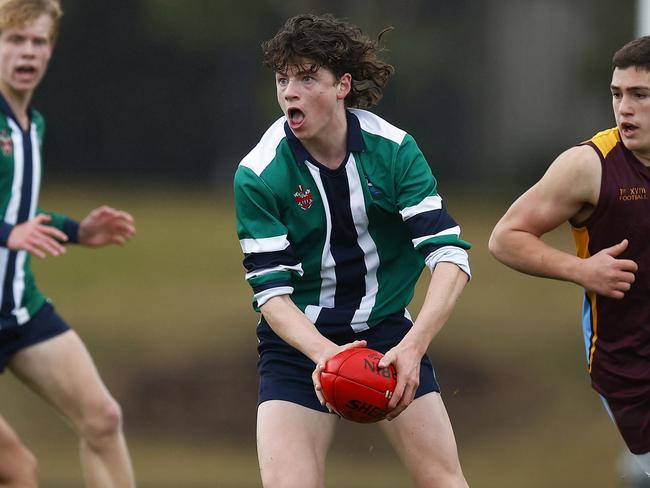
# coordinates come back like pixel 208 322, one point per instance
pixel 282 81
pixel 616 95
pixel 15 39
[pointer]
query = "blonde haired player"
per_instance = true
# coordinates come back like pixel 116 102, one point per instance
pixel 35 343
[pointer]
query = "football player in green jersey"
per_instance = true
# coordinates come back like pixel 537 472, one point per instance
pixel 35 343
pixel 337 215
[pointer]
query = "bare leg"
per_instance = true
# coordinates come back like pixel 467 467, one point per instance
pixel 63 373
pixel 292 444
pixel 17 463
pixel 424 440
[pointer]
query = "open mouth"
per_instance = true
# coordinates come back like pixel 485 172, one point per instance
pixel 627 128
pixel 295 117
pixel 26 69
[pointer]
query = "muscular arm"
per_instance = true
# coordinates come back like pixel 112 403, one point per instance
pixel 567 192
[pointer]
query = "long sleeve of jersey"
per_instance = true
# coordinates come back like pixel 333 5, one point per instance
pixel 268 257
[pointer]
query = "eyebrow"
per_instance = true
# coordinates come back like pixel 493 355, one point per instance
pixel 630 88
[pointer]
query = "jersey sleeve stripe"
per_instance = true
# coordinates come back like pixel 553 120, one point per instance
pixel 430 203
pixel 277 269
pixel 265 244
pixel 261 297
pixel 430 223
pixel 453 231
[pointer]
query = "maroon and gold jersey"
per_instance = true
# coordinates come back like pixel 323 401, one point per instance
pixel 617 332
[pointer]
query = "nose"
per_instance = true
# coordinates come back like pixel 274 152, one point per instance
pixel 625 105
pixel 28 49
pixel 290 90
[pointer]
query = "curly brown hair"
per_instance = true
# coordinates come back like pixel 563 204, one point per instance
pixel 337 45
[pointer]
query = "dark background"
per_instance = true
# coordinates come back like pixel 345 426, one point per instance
pixel 173 91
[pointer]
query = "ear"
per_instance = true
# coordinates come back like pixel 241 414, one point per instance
pixel 344 86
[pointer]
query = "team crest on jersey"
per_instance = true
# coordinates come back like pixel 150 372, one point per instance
pixel 303 197
pixel 6 144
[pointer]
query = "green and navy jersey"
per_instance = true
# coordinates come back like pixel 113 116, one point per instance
pixel 20 179
pixel 347 244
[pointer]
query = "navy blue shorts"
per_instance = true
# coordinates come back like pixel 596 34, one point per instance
pixel 44 325
pixel 285 373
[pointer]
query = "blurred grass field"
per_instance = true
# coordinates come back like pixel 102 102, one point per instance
pixel 168 320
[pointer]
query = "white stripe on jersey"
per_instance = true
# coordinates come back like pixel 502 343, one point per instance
pixel 376 125
pixel 428 204
pixel 327 273
pixel 367 245
pixel 264 296
pixel 261 272
pixel 266 244
pixel 22 315
pixel 262 154
pixel 11 215
pixel 452 231
pixel 36 171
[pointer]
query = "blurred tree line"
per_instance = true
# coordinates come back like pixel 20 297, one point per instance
pixel 173 92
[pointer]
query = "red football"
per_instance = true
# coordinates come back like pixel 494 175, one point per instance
pixel 356 387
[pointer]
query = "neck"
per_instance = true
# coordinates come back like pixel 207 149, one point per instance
pixel 644 158
pixel 19 103
pixel 330 149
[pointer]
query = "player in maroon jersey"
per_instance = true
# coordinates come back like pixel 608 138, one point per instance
pixel 601 188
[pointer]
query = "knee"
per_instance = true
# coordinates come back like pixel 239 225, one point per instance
pixel 102 421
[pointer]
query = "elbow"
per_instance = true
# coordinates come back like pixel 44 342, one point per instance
pixel 494 243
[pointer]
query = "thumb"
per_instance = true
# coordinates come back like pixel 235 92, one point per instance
pixel 616 249
pixel 42 218
pixel 385 361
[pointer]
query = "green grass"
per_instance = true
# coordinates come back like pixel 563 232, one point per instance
pixel 510 359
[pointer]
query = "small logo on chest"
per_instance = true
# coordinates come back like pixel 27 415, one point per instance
pixel 6 144
pixel 632 193
pixel 303 197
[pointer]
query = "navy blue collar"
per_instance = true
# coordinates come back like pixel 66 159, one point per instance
pixel 6 109
pixel 354 143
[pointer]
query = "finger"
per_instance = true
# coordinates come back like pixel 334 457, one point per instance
pixel 119 240
pixel 396 397
pixel 48 245
pixel 52 232
pixel 124 227
pixel 125 216
pixel 407 398
pixel 42 218
pixel 34 251
pixel 386 360
pixel 350 345
pixel 627 265
pixel 616 249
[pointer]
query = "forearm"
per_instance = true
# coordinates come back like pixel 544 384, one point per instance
pixel 529 254
pixel 294 327
pixel 447 283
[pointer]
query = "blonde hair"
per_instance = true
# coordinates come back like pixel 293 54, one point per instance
pixel 15 13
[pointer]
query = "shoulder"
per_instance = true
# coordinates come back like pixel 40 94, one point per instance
pixel 265 151
pixel 573 178
pixel 375 125
pixel 605 141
